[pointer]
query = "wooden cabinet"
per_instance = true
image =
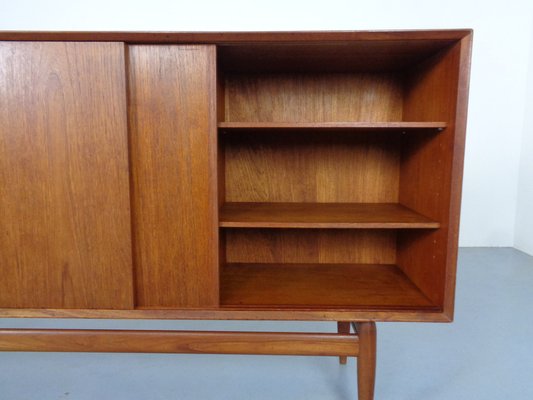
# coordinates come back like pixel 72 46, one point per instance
pixel 294 176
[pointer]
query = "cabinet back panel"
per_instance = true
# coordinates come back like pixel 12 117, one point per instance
pixel 312 167
pixel 173 159
pixel 313 97
pixel 327 246
pixel 65 234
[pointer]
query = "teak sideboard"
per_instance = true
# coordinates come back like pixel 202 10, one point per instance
pixel 251 176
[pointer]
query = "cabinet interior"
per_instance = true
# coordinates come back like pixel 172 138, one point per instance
pixel 335 165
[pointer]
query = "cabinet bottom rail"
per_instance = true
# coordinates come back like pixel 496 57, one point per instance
pixel 184 342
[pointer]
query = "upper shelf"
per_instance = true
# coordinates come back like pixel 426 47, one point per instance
pixel 228 127
pixel 322 215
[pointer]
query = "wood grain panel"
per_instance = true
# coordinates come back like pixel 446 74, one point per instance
pixel 357 55
pixel 319 97
pixel 65 238
pixel 322 215
pixel 327 127
pixel 310 246
pixel 312 167
pixel 319 286
pixel 183 342
pixel 431 169
pixel 405 38
pixel 221 163
pixel 237 313
pixel 172 116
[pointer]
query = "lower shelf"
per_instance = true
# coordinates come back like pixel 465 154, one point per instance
pixel 347 286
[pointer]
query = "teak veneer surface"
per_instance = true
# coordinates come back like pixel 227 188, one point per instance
pixel 343 126
pixel 173 132
pixel 312 167
pixel 438 89
pixel 235 313
pixel 439 38
pixel 313 97
pixel 65 235
pixel 183 342
pixel 319 286
pixel 322 215
pixel 354 246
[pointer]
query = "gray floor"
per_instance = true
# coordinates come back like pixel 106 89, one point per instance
pixel 487 353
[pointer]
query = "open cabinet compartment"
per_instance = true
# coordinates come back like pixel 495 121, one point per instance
pixel 335 174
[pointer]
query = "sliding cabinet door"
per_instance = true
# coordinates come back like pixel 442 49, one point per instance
pixel 173 153
pixel 65 233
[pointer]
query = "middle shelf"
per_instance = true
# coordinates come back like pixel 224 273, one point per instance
pixel 339 126
pixel 322 215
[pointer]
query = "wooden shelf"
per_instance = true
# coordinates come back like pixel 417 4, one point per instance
pixel 229 127
pixel 322 215
pixel 350 286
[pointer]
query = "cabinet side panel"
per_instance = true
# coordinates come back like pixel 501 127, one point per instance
pixel 65 234
pixel 431 170
pixel 172 115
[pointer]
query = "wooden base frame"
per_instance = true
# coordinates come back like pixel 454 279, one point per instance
pixel 360 344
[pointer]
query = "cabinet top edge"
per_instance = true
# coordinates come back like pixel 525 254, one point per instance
pixel 236 37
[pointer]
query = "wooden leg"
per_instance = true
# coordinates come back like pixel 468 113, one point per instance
pixel 366 361
pixel 344 328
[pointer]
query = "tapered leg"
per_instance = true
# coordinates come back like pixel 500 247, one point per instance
pixel 344 328
pixel 366 361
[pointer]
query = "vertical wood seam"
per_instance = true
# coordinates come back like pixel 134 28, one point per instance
pixel 213 165
pixel 134 269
